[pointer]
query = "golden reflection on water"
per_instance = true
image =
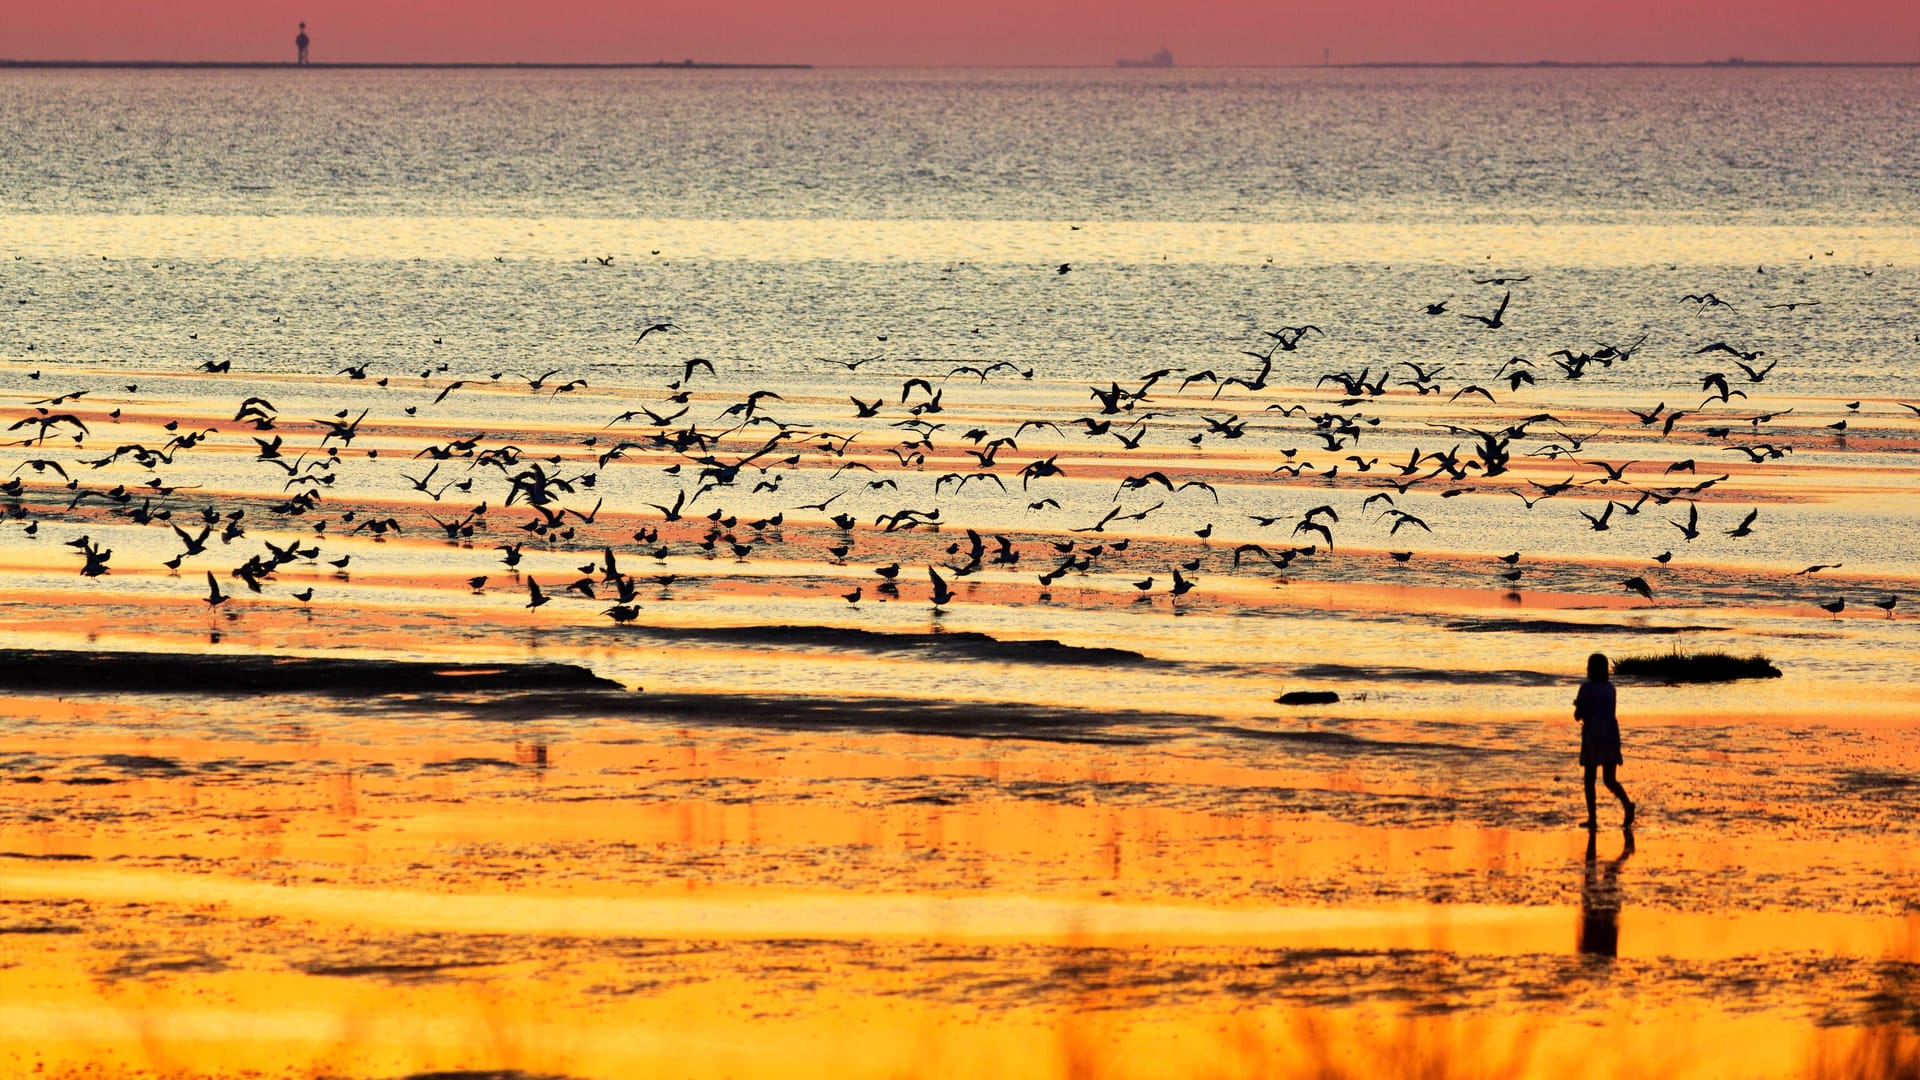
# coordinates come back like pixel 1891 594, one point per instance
pixel 192 236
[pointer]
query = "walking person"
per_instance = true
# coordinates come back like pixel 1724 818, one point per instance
pixel 301 44
pixel 1593 706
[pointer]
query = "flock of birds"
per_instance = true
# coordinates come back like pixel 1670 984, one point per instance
pixel 704 459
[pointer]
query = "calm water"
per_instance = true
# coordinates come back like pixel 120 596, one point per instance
pixel 1748 147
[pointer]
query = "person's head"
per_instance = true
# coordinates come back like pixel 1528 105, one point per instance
pixel 1597 667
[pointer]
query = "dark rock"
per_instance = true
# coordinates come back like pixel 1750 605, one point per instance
pixel 1308 697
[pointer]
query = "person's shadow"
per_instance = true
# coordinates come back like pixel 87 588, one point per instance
pixel 1600 899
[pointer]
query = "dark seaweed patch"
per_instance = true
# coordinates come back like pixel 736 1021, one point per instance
pixel 141 763
pixel 971 719
pixel 468 764
pixel 483 1074
pixel 1868 782
pixel 136 672
pixel 140 965
pixel 1559 626
pixel 1340 740
pixel 974 719
pixel 1388 673
pixel 965 645
pixel 394 971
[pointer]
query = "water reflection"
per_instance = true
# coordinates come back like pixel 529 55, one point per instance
pixel 1600 899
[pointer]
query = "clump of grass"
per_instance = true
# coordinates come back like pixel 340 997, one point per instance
pixel 1695 667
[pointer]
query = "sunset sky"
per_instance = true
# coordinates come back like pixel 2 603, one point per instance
pixel 969 32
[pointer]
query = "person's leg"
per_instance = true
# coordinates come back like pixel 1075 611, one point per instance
pixel 1619 792
pixel 1591 820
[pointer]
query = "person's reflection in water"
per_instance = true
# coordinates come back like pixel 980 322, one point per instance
pixel 1600 899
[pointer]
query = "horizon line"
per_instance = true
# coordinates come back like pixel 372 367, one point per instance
pixel 700 65
pixel 677 65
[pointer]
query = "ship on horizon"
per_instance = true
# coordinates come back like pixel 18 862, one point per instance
pixel 1161 59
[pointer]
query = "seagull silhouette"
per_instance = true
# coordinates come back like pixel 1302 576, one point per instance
pixel 1691 530
pixel 1493 321
pixel 942 595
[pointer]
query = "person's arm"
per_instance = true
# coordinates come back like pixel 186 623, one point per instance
pixel 1580 703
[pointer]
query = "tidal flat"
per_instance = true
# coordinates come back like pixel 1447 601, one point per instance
pixel 1061 590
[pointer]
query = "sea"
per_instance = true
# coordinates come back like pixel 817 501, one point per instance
pixel 1089 227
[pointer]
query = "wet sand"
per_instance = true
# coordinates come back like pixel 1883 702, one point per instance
pixel 575 883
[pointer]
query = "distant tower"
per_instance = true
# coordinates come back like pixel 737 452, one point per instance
pixel 301 44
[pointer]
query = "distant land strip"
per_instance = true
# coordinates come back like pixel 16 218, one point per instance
pixel 1735 62
pixel 701 65
pixel 249 65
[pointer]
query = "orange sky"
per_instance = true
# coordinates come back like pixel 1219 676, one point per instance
pixel 982 32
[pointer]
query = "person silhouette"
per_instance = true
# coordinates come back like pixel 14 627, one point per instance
pixel 301 44
pixel 1593 706
pixel 1599 933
